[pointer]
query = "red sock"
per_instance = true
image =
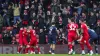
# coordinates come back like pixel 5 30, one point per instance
pixel 88 45
pixel 19 49
pixel 23 50
pixel 32 49
pixel 70 46
pixel 38 49
pixel 82 46
pixel 26 50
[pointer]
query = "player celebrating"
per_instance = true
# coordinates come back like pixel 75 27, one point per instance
pixel 84 37
pixel 25 41
pixel 93 38
pixel 20 40
pixel 52 38
pixel 72 34
pixel 33 40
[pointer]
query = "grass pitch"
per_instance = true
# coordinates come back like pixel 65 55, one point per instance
pixel 45 55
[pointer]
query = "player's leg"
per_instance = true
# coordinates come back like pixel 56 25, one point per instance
pixel 53 44
pixel 50 43
pixel 82 46
pixel 37 46
pixel 70 40
pixel 96 45
pixel 88 45
pixel 26 45
pixel 53 48
pixel 73 47
pixel 32 50
pixel 32 47
pixel 19 48
pixel 50 51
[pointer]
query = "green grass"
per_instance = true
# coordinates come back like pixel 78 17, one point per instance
pixel 44 55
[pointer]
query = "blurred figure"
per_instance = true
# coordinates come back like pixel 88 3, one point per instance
pixel 16 14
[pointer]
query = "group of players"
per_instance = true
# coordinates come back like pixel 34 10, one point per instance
pixel 82 35
pixel 26 45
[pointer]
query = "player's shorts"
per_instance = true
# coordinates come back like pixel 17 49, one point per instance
pixel 33 42
pixel 52 39
pixel 20 41
pixel 93 40
pixel 71 37
pixel 85 39
pixel 25 41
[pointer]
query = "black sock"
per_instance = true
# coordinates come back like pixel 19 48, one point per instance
pixel 96 48
pixel 73 48
pixel 52 51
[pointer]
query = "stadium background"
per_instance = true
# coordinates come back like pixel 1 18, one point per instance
pixel 41 13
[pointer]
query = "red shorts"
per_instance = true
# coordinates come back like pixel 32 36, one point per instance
pixel 71 37
pixel 33 42
pixel 23 42
pixel 85 39
pixel 20 41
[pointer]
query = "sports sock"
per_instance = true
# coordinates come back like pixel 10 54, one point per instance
pixel 96 48
pixel 32 49
pixel 26 50
pixel 19 49
pixel 82 46
pixel 88 45
pixel 70 46
pixel 38 49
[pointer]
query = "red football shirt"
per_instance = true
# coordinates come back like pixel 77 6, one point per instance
pixel 20 34
pixel 85 29
pixel 72 28
pixel 32 34
pixel 25 33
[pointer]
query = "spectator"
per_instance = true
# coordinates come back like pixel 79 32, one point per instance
pixel 55 7
pixel 84 16
pixel 16 14
pixel 53 17
pixel 92 20
pixel 7 37
pixel 41 19
pixel 14 40
pixel 33 16
pixel 42 37
pixel 76 17
pixel 58 21
pixel 26 17
pixel 97 29
pixel 1 23
pixel 9 15
pixel 36 6
pixel 98 16
pixel 22 6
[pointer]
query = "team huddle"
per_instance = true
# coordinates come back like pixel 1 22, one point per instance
pixel 23 40
pixel 82 35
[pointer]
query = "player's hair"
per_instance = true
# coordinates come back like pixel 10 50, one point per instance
pixel 72 20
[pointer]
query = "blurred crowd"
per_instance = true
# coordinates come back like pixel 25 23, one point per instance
pixel 41 13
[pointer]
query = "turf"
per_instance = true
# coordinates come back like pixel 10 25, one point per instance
pixel 44 55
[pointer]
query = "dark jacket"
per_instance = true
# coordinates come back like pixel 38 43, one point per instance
pixel 42 38
pixel 10 13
